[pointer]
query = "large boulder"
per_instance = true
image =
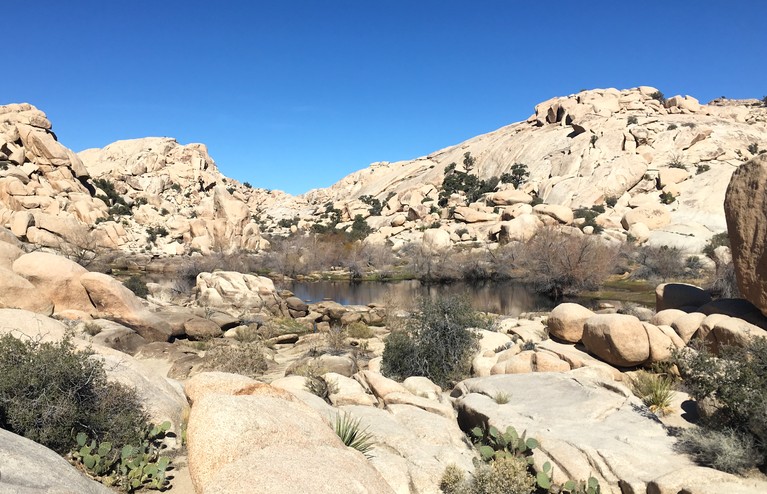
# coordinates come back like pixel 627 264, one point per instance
pixel 745 208
pixel 266 444
pixel 114 301
pixel 17 292
pixel 679 296
pixel 56 278
pixel 566 322
pixel 27 467
pixel 618 339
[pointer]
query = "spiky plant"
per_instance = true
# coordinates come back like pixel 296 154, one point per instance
pixel 353 434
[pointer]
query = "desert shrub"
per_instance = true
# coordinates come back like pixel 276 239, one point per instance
pixel 353 434
pixel 112 196
pixel 632 120
pixel 717 240
pixel 375 204
pixel 659 263
pixel 360 228
pixel 724 284
pixel 247 334
pixel 764 101
pixel 518 175
pixel 667 198
pixel 137 285
pixel 359 330
pixel 726 450
pixel 702 168
pixel 590 215
pixel 671 127
pixel 91 328
pixel 335 338
pixel 247 185
pixel 654 390
pixel 471 185
pixel 501 397
pixel 734 384
pixel 658 96
pixel 559 263
pixel 51 391
pixel 676 162
pixel 611 201
pixel 316 384
pixel 246 359
pixel 435 343
pixel 153 232
pixel 503 476
pixel 176 187
pixel 753 148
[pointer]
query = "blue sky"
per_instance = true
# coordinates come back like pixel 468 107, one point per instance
pixel 294 95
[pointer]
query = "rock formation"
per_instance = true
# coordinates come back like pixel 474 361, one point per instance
pixel 745 207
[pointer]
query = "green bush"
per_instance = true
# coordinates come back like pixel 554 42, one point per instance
pixel 734 387
pixel 753 148
pixel 435 343
pixel 717 240
pixel 137 285
pixel 112 196
pixel 611 201
pixel 51 391
pixel 667 197
pixel 360 228
pixel 658 96
pixel 471 185
pixel 375 204
pixel 518 175
pixel 632 120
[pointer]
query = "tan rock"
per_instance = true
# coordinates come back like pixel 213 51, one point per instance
pixel 666 317
pixel 687 325
pixel 112 299
pixel 520 229
pixel 562 214
pixel 661 344
pixel 205 383
pixel 566 321
pixel 471 215
pixel 56 278
pixel 378 384
pixel 510 196
pixel 233 441
pixel 17 292
pixel 653 217
pixel 745 209
pixel 618 339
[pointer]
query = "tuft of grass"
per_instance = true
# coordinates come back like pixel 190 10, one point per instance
pixel 654 390
pixel 725 450
pixel 353 434
pixel 247 334
pixel 502 397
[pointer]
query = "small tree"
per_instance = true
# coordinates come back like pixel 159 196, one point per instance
pixel 518 176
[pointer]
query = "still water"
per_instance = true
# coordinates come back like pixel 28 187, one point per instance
pixel 498 297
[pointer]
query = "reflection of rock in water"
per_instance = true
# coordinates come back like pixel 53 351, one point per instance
pixel 497 297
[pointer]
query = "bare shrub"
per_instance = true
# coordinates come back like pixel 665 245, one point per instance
pixel 726 450
pixel 561 263
pixel 659 263
pixel 246 359
pixel 724 283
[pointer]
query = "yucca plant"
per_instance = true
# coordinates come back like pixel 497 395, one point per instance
pixel 654 390
pixel 353 434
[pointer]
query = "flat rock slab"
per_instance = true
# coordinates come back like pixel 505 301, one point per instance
pixel 585 425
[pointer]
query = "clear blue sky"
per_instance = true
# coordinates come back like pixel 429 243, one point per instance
pixel 294 95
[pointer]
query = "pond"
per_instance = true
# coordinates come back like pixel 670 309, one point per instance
pixel 499 297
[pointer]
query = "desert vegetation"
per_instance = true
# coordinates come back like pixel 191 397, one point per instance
pixel 435 343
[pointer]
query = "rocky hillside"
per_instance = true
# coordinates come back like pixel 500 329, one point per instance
pixel 652 168
pixel 621 149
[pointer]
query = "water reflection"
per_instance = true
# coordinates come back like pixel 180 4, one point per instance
pixel 499 297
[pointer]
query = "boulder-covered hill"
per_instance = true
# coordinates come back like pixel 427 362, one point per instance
pixel 581 150
pixel 621 149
